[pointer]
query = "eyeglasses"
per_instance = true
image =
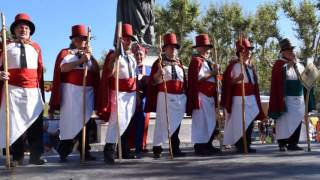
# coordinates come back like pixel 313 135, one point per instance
pixel 81 38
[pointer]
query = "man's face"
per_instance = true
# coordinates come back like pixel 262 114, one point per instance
pixel 139 57
pixel 171 51
pixel 22 31
pixel 79 42
pixel 289 54
pixel 204 51
pixel 246 54
pixel 126 42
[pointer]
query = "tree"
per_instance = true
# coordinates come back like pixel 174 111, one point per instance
pixel 223 23
pixel 180 17
pixel 265 33
pixel 305 18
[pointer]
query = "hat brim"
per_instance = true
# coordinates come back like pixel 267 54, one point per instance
pixel 132 37
pixel 287 48
pixel 77 36
pixel 209 45
pixel 29 23
pixel 177 46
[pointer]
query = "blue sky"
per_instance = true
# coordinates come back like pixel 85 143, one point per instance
pixel 53 20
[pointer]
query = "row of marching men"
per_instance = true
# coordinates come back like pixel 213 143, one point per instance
pixel 169 93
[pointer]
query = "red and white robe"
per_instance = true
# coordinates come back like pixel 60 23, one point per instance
pixel 25 92
pixel 176 101
pixel 289 109
pixel 126 97
pixel 232 101
pixel 201 100
pixel 67 93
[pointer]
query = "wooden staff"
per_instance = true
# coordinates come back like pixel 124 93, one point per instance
pixel 119 39
pixel 84 84
pixel 165 98
pixel 306 118
pixel 6 91
pixel 244 136
pixel 219 118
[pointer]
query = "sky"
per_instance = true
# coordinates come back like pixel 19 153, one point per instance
pixel 54 18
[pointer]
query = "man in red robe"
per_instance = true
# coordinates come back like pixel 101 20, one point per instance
pixel 231 98
pixel 67 92
pixel 202 96
pixel 126 96
pixel 287 104
pixel 171 106
pixel 26 95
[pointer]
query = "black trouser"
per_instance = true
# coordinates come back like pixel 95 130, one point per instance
pixel 175 142
pixel 293 140
pixel 34 135
pixel 239 143
pixel 110 148
pixel 201 146
pixel 125 142
pixel 66 146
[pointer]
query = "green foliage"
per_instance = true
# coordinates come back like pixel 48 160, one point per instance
pixel 307 22
pixel 180 17
pixel 223 22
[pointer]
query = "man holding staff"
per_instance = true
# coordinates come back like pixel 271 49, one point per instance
pixel 231 98
pixel 68 89
pixel 126 96
pixel 202 97
pixel 167 89
pixel 25 78
pixel 287 104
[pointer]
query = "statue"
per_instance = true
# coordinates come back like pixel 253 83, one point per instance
pixel 138 13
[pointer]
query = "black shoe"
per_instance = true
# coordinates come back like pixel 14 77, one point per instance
pixel 156 156
pixel 213 149
pixel 251 150
pixel 295 148
pixel 203 152
pixel 109 158
pixel 37 161
pixel 178 154
pixel 63 160
pixel 129 156
pixel 282 148
pixel 89 157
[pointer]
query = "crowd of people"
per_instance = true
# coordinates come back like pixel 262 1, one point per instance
pixel 124 96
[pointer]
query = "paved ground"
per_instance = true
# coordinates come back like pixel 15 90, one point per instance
pixel 267 163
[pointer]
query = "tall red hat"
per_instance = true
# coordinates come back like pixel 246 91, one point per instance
pixel 78 30
pixel 22 18
pixel 245 44
pixel 203 40
pixel 127 30
pixel 170 39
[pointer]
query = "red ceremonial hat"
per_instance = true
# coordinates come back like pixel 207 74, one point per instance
pixel 203 40
pixel 170 39
pixel 244 44
pixel 127 30
pixel 22 18
pixel 78 31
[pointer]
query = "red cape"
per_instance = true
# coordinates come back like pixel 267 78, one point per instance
pixel 153 90
pixel 277 97
pixel 55 98
pixel 39 70
pixel 226 96
pixel 192 93
pixel 104 90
